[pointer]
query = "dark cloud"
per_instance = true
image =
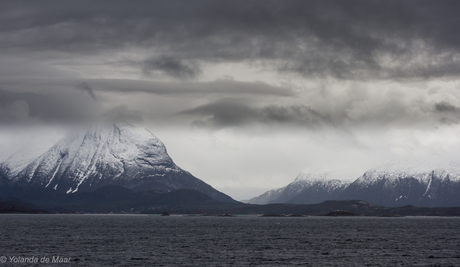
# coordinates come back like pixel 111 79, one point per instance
pixel 58 107
pixel 223 113
pixel 445 107
pixel 342 38
pixel 351 112
pixel 86 88
pixel 233 112
pixel 15 112
pixel 57 101
pixel 171 67
pixel 296 114
pixel 447 113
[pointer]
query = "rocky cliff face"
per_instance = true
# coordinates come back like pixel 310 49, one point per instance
pixel 118 154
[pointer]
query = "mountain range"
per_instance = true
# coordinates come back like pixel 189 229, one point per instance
pixel 104 159
pixel 393 184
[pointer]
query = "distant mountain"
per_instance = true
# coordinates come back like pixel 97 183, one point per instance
pixel 118 154
pixel 394 184
pixel 408 183
pixel 9 206
pixel 308 188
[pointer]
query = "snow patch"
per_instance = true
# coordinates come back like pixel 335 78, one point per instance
pixel 423 171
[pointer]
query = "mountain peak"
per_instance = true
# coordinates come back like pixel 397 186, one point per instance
pixel 421 170
pixel 109 154
pixel 322 174
pixel 310 186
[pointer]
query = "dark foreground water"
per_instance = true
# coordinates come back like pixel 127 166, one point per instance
pixel 127 240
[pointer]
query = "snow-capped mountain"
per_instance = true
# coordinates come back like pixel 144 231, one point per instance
pixel 266 197
pixel 309 187
pixel 398 183
pixel 408 183
pixel 118 154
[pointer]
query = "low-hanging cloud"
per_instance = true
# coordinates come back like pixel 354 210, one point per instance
pixel 172 67
pixel 448 113
pixel 446 107
pixel 219 87
pixel 232 112
pixel 15 112
pixel 122 113
pixel 86 88
pixel 60 107
pixel 357 110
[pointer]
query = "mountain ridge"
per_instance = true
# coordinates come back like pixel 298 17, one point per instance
pixel 299 191
pixel 397 183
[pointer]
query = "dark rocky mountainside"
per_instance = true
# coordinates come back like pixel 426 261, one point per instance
pixel 11 206
pixel 118 199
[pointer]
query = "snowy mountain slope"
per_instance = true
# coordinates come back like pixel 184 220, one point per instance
pixel 308 188
pixel 17 158
pixel 266 197
pixel 398 183
pixel 118 154
pixel 408 183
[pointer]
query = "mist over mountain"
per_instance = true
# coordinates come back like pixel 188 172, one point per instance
pixel 111 154
pixel 394 184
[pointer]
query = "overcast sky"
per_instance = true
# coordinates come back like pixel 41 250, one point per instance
pixel 244 94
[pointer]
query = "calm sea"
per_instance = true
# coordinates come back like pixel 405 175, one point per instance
pixel 132 240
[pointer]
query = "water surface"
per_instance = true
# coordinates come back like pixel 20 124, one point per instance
pixel 132 240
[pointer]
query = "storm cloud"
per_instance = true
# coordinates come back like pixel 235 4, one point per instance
pixel 343 39
pixel 231 112
pixel 347 114
pixel 60 107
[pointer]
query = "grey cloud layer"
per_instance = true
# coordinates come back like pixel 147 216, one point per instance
pixel 172 67
pixel 345 39
pixel 231 112
pixel 228 103
pixel 380 112
pixel 70 100
pixel 32 107
pixel 225 87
